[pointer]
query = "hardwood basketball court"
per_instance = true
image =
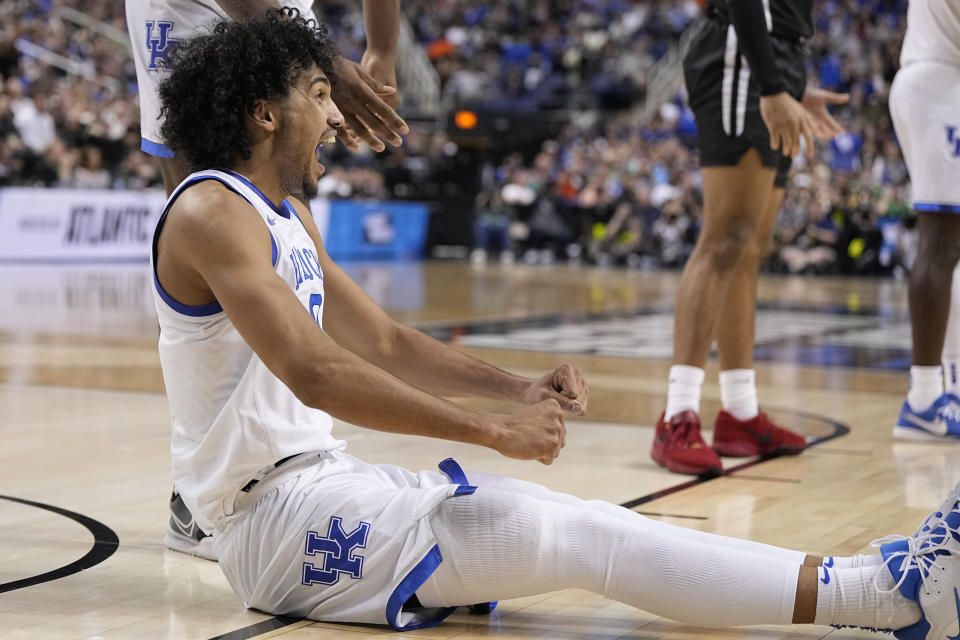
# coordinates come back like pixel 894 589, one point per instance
pixel 84 461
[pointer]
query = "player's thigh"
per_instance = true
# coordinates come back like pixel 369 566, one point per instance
pixel 735 198
pixel 763 236
pixel 925 105
pixel 333 544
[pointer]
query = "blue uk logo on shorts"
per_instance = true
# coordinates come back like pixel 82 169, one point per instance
pixel 159 43
pixel 338 557
pixel 953 139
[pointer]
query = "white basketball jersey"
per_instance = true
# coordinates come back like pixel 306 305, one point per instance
pixel 933 32
pixel 232 418
pixel 156 27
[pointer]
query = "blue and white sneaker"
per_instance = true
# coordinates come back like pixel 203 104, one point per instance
pixel 926 568
pixel 940 422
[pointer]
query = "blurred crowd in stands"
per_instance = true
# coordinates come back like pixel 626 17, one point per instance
pixel 612 188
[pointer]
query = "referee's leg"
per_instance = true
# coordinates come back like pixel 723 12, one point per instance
pixel 735 327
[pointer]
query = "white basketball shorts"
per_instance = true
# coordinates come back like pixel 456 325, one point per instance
pixel 925 105
pixel 340 540
pixel 156 27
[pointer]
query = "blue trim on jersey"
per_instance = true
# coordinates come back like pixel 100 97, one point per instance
pixel 211 308
pixel 452 469
pixel 936 207
pixel 155 148
pixel 280 211
pixel 193 310
pixel 287 205
pixel 409 585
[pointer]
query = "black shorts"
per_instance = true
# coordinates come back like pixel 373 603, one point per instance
pixel 725 96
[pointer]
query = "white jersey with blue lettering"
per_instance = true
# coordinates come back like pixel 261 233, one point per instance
pixel 933 32
pixel 155 28
pixel 233 419
pixel 925 104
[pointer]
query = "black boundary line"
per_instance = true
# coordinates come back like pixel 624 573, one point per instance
pixel 839 429
pixel 105 543
pixel 446 330
pixel 657 514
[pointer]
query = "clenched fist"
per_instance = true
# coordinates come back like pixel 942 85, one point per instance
pixel 537 432
pixel 566 385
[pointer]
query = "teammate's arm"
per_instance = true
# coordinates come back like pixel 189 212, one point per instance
pixel 381 19
pixel 785 118
pixel 363 94
pixel 356 322
pixel 213 240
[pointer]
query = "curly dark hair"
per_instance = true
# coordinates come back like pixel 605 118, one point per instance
pixel 218 77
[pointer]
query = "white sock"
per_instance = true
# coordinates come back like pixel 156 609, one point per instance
pixel 849 597
pixel 846 562
pixel 738 393
pixel 951 341
pixel 683 392
pixel 926 385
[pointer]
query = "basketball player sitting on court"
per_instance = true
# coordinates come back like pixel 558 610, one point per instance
pixel 264 338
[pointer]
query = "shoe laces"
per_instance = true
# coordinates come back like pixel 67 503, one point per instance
pixel 925 546
pixel 686 433
pixel 950 411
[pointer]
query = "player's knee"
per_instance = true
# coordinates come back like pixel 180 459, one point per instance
pixel 727 249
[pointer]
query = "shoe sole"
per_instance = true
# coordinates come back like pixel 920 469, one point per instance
pixel 736 450
pixel 184 544
pixel 909 433
pixel 689 471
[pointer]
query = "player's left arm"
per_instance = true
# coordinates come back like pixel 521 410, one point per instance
pixel 358 324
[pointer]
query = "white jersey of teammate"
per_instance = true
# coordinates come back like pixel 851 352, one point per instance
pixel 925 104
pixel 155 27
pixel 232 418
pixel 933 32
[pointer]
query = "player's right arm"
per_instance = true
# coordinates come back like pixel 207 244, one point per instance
pixel 785 118
pixel 214 246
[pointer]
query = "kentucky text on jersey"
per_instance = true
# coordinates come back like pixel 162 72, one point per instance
pixel 305 265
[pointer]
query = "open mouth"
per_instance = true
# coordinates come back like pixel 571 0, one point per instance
pixel 328 140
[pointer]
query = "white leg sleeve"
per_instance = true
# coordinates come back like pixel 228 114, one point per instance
pixel 498 544
pixel 630 517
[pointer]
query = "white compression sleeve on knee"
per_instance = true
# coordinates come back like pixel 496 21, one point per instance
pixel 632 518
pixel 497 545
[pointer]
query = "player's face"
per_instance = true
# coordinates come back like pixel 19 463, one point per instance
pixel 312 122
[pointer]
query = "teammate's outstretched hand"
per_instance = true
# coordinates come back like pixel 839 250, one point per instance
pixel 384 72
pixel 367 116
pixel 537 432
pixel 566 385
pixel 786 120
pixel 816 101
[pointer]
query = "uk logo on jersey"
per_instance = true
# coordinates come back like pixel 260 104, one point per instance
pixel 338 553
pixel 953 138
pixel 159 43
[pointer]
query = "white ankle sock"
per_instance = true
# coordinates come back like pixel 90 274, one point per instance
pixel 738 393
pixel 846 562
pixel 683 392
pixel 926 385
pixel 849 597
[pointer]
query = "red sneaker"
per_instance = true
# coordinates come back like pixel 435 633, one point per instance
pixel 678 446
pixel 755 437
